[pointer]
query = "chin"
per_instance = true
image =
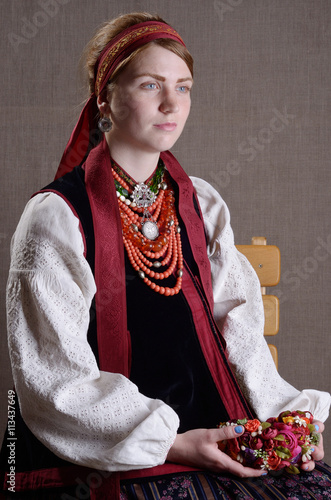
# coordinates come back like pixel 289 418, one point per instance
pixel 164 145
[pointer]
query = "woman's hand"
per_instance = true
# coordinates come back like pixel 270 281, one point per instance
pixel 198 448
pixel 318 453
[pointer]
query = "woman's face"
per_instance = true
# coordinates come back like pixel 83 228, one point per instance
pixel 150 102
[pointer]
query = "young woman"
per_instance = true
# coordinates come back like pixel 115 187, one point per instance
pixel 134 325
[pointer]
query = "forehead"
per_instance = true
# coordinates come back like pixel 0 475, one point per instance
pixel 157 60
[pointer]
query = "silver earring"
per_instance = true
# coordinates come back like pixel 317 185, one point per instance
pixel 104 124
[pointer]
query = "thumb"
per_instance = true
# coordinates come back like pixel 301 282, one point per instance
pixel 230 432
pixel 319 426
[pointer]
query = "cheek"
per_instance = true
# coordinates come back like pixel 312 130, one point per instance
pixel 186 106
pixel 132 110
pixel 121 113
pixel 122 105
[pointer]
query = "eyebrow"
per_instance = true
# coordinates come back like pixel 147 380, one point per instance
pixel 162 78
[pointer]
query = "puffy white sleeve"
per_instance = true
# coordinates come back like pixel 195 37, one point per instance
pixel 238 311
pixel 89 417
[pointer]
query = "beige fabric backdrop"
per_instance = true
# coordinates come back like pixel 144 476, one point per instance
pixel 259 131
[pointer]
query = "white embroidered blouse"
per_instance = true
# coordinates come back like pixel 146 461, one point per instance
pixel 100 419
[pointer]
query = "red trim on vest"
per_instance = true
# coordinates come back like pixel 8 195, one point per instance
pixel 193 223
pixel 214 352
pixel 109 274
pixel 109 252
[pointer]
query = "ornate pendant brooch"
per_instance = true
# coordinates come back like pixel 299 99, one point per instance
pixel 144 197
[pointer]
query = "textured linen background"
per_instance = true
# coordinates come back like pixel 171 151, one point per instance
pixel 255 60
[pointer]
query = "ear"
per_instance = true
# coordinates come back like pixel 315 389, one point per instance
pixel 103 103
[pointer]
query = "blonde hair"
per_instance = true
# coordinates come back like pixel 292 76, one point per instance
pixel 111 29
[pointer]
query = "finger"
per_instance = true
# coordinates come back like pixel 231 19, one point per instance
pixel 308 466
pixel 319 426
pixel 241 471
pixel 318 451
pixel 228 432
pixel 238 469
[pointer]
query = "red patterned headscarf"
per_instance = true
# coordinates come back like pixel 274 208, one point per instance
pixel 117 50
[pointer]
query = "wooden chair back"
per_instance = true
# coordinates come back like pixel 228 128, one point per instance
pixel 265 260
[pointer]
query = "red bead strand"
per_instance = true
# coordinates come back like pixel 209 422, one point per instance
pixel 167 246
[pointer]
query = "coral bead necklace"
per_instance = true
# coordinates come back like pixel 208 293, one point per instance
pixel 151 232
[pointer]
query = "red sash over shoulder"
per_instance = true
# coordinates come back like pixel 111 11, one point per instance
pixel 109 253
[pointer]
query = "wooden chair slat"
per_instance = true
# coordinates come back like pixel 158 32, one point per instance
pixel 265 260
pixel 271 313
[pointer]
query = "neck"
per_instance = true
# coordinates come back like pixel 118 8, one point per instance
pixel 138 164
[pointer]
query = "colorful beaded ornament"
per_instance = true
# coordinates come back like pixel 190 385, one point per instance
pixel 151 232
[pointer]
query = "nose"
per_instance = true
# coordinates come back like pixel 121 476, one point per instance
pixel 169 103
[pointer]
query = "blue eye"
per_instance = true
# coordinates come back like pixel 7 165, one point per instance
pixel 184 89
pixel 151 86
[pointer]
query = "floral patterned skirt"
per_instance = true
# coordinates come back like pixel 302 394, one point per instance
pixel 206 486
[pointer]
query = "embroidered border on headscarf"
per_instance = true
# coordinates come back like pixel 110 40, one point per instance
pixel 137 35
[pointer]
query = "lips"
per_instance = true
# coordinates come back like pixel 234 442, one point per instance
pixel 167 127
